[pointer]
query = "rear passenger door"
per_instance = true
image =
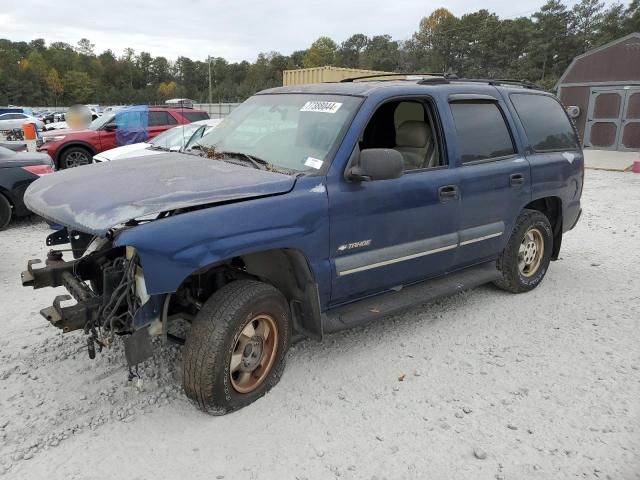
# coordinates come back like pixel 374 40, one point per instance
pixel 495 180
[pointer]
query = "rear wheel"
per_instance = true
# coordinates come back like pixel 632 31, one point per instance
pixel 235 351
pixel 5 212
pixel 525 259
pixel 75 157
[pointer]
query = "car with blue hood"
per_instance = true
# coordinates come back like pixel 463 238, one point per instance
pixel 310 209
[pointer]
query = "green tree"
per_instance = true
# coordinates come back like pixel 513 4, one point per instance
pixel 321 53
pixel 55 85
pixel 350 50
pixel 85 47
pixel 78 87
pixel 435 40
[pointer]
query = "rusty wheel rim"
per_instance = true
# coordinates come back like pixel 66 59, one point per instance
pixel 254 353
pixel 530 252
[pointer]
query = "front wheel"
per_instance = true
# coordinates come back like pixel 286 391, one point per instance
pixel 5 212
pixel 235 351
pixel 525 260
pixel 75 157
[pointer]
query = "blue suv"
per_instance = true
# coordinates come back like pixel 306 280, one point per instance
pixel 310 209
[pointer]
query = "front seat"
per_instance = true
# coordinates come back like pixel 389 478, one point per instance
pixel 413 141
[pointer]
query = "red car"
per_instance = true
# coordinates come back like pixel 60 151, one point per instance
pixel 72 148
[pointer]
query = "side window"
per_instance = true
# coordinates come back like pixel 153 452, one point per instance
pixel 545 122
pixel 157 119
pixel 481 131
pixel 195 116
pixel 408 127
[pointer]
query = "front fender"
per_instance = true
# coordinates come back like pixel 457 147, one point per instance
pixel 172 248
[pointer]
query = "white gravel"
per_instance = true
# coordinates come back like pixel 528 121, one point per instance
pixel 484 385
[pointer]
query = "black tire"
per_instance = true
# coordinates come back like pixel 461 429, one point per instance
pixel 75 157
pixel 514 279
pixel 215 331
pixel 5 212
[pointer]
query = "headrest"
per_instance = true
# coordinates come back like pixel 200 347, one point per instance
pixel 412 133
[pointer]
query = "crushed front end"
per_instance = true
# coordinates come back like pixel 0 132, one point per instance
pixel 107 284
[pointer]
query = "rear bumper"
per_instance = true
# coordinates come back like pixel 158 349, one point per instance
pixel 575 222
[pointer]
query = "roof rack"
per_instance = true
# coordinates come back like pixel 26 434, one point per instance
pixel 503 81
pixel 399 74
pixel 173 107
pixel 439 78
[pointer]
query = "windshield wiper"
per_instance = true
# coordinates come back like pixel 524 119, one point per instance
pixel 257 162
pixel 155 147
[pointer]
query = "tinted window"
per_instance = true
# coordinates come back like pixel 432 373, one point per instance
pixel 195 116
pixel 482 131
pixel 545 122
pixel 157 119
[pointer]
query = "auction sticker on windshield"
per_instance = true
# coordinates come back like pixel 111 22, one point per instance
pixel 322 107
pixel 314 163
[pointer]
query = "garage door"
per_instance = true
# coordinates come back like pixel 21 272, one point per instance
pixel 613 119
pixel 630 134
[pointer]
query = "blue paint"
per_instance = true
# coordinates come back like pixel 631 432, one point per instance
pixel 319 213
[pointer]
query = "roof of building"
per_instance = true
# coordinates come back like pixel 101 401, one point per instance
pixel 592 51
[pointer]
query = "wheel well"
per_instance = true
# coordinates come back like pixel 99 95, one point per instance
pixel 551 207
pixel 286 269
pixel 61 152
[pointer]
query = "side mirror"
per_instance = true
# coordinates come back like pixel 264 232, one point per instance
pixel 110 127
pixel 377 164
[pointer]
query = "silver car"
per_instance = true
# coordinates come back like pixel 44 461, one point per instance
pixel 9 121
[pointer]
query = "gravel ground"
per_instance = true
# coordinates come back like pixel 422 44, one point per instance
pixel 483 385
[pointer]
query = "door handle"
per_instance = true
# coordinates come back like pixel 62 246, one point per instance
pixel 448 192
pixel 517 179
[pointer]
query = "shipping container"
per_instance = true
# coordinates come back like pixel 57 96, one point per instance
pixel 323 74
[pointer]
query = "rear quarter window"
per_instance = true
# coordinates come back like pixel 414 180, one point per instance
pixel 545 122
pixel 157 119
pixel 195 116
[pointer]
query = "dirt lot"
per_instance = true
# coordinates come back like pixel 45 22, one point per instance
pixel 483 385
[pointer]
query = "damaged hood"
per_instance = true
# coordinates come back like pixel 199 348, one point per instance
pixel 95 198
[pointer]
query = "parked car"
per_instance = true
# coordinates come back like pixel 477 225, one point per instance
pixel 311 209
pixel 15 146
pixel 175 139
pixel 55 126
pixel 17 172
pixel 10 121
pixel 72 148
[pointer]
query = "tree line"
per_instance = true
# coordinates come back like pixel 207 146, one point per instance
pixel 536 47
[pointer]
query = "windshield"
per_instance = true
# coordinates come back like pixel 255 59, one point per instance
pixel 101 121
pixel 292 131
pixel 175 137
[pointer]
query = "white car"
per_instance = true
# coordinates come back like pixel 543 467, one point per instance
pixel 9 121
pixel 174 140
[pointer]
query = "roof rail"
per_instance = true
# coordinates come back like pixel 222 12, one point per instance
pixel 503 81
pixel 173 107
pixel 399 74
pixel 447 77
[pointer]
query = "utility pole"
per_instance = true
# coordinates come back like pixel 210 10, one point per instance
pixel 209 60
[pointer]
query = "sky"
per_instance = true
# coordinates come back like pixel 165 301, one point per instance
pixel 237 30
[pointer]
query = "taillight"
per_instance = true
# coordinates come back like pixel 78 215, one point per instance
pixel 39 169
